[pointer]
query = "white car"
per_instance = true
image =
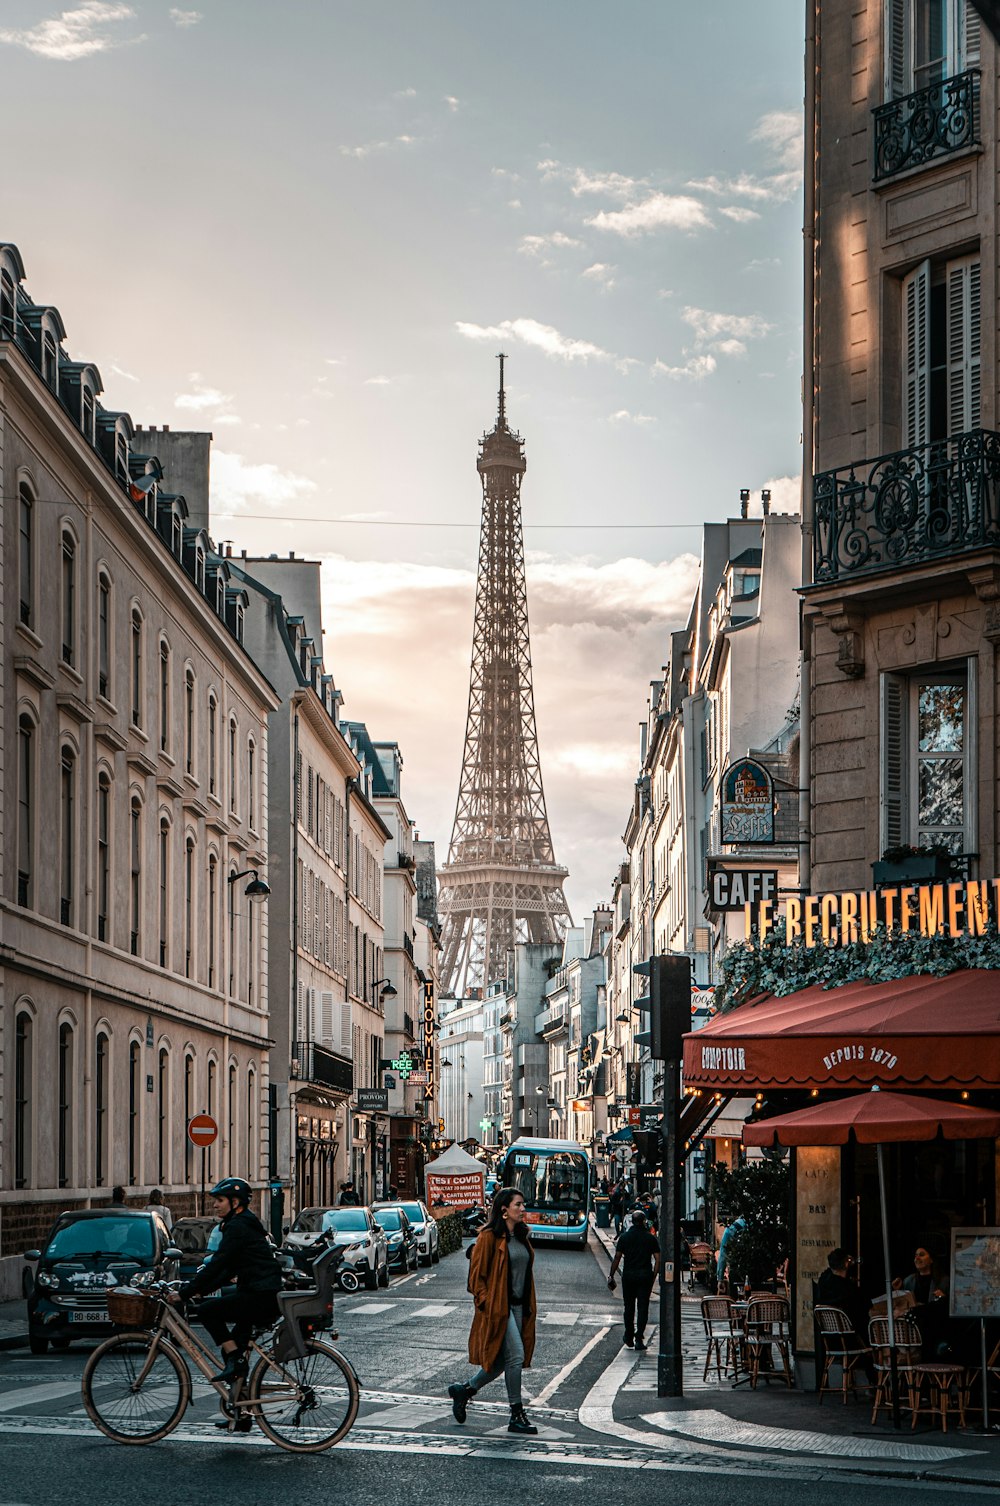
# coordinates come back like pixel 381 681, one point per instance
pixel 424 1226
pixel 350 1226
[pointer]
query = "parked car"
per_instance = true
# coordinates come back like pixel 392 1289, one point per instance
pixel 424 1226
pixel 403 1251
pixel 194 1238
pixel 350 1226
pixel 87 1252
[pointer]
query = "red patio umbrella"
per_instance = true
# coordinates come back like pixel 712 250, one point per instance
pixel 877 1119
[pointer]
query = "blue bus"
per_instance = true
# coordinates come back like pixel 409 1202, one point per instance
pixel 553 1177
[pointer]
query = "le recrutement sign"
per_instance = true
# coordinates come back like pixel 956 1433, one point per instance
pixel 967 907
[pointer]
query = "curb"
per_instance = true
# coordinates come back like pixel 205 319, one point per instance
pixel 18 1341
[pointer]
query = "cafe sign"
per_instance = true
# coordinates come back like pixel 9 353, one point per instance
pixel 747 804
pixel 970 907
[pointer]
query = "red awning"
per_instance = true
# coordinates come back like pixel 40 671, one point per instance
pixel 912 1032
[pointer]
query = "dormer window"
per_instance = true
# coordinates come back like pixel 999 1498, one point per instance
pixel 87 411
pixel 8 315
pixel 50 362
pixel 220 594
pixel 746 582
pixel 199 567
pixel 121 455
pixel 238 625
pixel 175 534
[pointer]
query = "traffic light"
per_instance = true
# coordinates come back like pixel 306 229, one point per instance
pixel 649 1145
pixel 668 1003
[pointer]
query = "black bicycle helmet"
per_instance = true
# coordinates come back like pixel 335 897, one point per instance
pixel 235 1189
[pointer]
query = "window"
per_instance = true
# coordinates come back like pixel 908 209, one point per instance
pixel 136 668
pixel 188 905
pixel 234 1165
pixel 210 1109
pixel 199 566
pixel 164 906
pixel 26 554
pixel 67 836
pixel 121 456
pixel 232 765
pixel 251 776
pixel 213 902
pixel 175 533
pixel 103 636
pixel 68 598
pixel 188 1113
pixel 23 1032
pixel 232 931
pixel 162 1108
pixel 65 1125
pixel 103 856
pixel 213 738
pixel 251 942
pixel 928 41
pixel 101 1070
pixel 941 350
pixel 928 759
pixel 164 696
pixel 189 721
pixel 87 412
pixel 25 809
pixel 135 876
pixel 50 362
pixel 134 1069
pixel 7 305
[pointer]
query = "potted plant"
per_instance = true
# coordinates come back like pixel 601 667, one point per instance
pixel 913 865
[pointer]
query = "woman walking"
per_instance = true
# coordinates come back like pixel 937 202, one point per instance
pixel 502 1338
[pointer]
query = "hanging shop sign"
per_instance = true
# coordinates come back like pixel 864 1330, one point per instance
pixel 969 907
pixel 430 1023
pixel 734 888
pixel 747 804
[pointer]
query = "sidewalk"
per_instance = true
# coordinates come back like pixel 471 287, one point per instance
pixel 13 1325
pixel 775 1419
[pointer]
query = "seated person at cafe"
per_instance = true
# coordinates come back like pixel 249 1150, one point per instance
pixel 836 1289
pixel 929 1289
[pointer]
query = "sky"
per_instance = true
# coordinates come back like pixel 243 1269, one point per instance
pixel 310 227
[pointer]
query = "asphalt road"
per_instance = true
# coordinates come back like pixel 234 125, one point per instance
pixel 407 1344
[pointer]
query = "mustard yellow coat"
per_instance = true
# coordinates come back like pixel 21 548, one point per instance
pixel 488 1285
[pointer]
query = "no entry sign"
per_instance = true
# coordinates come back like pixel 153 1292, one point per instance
pixel 202 1130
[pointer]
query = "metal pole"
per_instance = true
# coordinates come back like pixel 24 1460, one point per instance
pixel 204 1153
pixel 982 1355
pixel 669 1372
pixel 893 1364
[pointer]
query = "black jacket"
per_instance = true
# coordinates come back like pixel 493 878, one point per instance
pixel 244 1256
pixel 836 1291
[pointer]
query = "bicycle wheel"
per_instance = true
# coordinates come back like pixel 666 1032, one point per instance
pixel 305 1405
pixel 124 1411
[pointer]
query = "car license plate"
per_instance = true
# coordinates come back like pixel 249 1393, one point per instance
pixel 90 1315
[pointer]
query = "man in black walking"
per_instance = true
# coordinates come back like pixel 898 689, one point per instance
pixel 638 1254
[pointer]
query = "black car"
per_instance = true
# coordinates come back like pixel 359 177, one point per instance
pixel 404 1251
pixel 87 1252
pixel 191 1236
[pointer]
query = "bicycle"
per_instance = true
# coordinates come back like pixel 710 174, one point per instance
pixel 302 1392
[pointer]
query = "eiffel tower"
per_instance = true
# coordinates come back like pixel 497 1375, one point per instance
pixel 501 883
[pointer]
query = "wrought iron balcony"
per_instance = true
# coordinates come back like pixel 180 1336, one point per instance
pixel 312 1063
pixel 914 507
pixel 933 122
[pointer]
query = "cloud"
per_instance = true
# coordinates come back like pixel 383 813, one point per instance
pixel 240 485
pixel 333 361
pixel 786 493
pixel 505 172
pixel 73 34
pixel 185 18
pixel 513 203
pixel 120 371
pixel 781 133
pixel 611 185
pixel 534 245
pixel 695 369
pixel 543 337
pixel 623 416
pixel 451 102
pixel 369 147
pixel 378 381
pixel 739 213
pixel 602 273
pixel 760 263
pixel 229 419
pixel 410 93
pixel 659 211
pixel 715 329
pixel 201 398
pixel 581 613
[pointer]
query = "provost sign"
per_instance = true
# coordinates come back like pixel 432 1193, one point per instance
pixel 747 804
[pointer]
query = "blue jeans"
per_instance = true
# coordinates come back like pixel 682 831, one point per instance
pixel 508 1363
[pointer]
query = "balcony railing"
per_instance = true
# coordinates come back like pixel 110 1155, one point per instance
pixel 916 506
pixel 312 1063
pixel 931 123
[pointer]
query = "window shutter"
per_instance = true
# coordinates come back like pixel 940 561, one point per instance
pixel 969 36
pixel 893 754
pixel 916 343
pixel 300 1014
pixel 345 1030
pixel 326 1034
pixel 964 319
pixel 898 72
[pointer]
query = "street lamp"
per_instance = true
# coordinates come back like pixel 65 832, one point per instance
pixel 256 890
pixel 388 992
pixel 535 1108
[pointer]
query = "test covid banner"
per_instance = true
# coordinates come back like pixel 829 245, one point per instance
pixel 459 1189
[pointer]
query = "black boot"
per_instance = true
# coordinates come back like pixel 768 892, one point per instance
pixel 460 1398
pixel 519 1422
pixel 233 1369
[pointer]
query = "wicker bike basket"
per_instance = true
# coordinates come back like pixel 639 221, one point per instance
pixel 130 1308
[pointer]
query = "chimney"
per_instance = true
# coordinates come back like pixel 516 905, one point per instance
pixel 765 498
pixel 744 501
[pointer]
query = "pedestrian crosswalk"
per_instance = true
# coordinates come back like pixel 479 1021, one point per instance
pixel 404 1308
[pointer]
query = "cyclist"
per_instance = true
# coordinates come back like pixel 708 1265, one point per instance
pixel 243 1256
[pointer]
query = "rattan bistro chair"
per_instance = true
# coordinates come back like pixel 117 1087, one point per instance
pixel 907 1363
pixel 767 1329
pixel 841 1346
pixel 722 1338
